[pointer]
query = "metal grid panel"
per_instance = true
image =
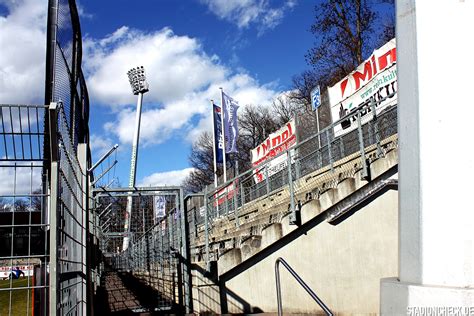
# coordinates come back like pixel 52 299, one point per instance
pixel 24 256
pixel 64 75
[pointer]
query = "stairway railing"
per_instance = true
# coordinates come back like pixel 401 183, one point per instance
pixel 300 281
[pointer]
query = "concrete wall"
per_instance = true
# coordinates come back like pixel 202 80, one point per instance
pixel 343 264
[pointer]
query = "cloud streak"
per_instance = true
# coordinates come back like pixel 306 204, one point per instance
pixel 168 178
pixel 245 13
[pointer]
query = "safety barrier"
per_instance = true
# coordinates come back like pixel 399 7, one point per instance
pixel 311 163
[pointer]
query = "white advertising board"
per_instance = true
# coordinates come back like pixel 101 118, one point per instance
pixel 374 80
pixel 276 143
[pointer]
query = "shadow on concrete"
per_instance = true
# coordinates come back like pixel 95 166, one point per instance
pixel 123 294
pixel 212 297
pixel 300 231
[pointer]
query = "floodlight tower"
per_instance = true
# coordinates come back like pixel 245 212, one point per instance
pixel 137 79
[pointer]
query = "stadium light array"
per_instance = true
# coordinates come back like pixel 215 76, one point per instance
pixel 137 79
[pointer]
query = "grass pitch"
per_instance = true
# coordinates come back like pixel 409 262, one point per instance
pixel 19 298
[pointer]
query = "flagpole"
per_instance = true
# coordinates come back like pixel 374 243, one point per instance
pixel 214 144
pixel 224 160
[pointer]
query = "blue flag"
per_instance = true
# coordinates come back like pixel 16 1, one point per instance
pixel 218 141
pixel 231 130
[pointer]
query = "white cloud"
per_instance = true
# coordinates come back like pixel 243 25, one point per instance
pixel 243 13
pixel 169 178
pixel 100 144
pixel 22 60
pixel 182 78
pixel 22 179
pixel 175 65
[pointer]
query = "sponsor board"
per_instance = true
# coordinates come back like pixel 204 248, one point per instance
pixel 276 143
pixel 227 193
pixel 375 80
pixel 5 271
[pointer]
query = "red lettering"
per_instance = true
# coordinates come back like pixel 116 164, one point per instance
pixel 374 65
pixel 366 76
pixel 383 60
pixel 276 141
pixel 343 86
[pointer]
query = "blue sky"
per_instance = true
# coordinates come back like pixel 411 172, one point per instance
pixel 251 48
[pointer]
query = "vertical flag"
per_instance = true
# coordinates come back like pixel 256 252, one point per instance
pixel 231 130
pixel 218 139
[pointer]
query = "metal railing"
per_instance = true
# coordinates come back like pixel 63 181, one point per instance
pixel 307 167
pixel 300 281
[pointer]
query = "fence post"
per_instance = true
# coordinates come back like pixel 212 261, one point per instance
pixel 267 180
pixel 376 128
pixel 242 196
pixel 206 229
pixel 328 143
pixel 236 203
pixel 185 254
pixel 53 207
pixel 291 189
pixel 365 171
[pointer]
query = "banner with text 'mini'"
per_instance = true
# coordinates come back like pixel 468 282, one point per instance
pixel 375 80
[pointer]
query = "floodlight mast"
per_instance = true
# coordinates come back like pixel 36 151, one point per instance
pixel 139 86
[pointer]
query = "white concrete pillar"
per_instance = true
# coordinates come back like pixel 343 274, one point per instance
pixel 435 45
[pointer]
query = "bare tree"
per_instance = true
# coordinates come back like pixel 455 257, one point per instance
pixel 256 122
pixel 202 160
pixel 346 32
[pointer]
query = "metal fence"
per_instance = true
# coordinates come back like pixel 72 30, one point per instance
pixel 157 257
pixel 24 253
pixel 68 218
pixel 65 82
pixel 67 159
pixel 308 168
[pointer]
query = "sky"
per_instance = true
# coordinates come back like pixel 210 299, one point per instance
pixel 189 48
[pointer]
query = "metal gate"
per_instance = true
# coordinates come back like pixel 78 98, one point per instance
pixel 157 260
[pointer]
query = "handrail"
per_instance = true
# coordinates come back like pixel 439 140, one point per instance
pixel 300 281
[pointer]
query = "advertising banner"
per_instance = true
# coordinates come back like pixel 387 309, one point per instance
pixel 21 271
pixel 276 143
pixel 227 193
pixel 375 80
